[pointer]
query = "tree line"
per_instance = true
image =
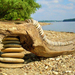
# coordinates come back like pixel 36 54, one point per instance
pixel 69 20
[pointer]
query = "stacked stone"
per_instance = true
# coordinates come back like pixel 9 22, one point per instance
pixel 12 51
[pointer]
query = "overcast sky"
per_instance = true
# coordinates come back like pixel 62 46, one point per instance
pixel 55 10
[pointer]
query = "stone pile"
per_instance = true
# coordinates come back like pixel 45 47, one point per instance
pixel 12 52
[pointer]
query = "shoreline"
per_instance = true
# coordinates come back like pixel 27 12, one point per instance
pixel 44 23
pixel 41 23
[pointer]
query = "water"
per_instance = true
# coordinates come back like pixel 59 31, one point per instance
pixel 60 26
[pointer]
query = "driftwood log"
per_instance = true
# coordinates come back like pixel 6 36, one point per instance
pixel 33 39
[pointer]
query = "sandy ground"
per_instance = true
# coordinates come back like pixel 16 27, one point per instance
pixel 44 23
pixel 34 65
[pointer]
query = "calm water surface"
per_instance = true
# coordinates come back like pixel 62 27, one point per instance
pixel 60 26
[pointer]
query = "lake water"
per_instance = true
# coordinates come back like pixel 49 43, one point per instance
pixel 60 26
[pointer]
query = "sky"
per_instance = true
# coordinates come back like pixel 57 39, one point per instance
pixel 55 10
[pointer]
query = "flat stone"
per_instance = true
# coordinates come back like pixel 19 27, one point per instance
pixel 12 50
pixel 3 65
pixel 13 55
pixel 10 42
pixel 12 46
pixel 11 60
pixel 6 39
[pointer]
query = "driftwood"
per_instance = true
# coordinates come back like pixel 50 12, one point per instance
pixel 33 39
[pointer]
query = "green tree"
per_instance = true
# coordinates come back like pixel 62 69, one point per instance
pixel 17 9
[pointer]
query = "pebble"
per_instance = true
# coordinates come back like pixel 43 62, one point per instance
pixel 46 67
pixel 57 59
pixel 68 71
pixel 64 66
pixel 52 59
pixel 25 73
pixel 55 73
pixel 3 74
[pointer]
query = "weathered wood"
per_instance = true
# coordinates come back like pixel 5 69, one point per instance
pixel 32 39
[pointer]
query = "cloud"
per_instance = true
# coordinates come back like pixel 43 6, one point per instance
pixel 47 2
pixel 40 10
pixel 62 6
pixel 43 2
pixel 71 4
pixel 55 4
pixel 67 7
pixel 72 1
pixel 55 1
pixel 60 11
pixel 55 9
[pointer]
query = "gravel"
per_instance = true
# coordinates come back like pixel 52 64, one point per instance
pixel 34 65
